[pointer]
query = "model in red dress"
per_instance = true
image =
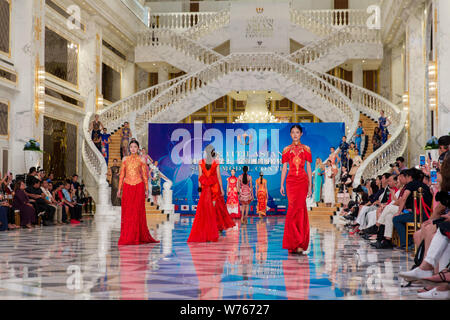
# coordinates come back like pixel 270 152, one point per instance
pixel 211 206
pixel 232 196
pixel 134 181
pixel 298 187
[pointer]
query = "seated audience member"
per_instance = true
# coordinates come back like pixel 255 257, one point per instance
pixel 385 218
pixel 404 213
pixel 444 144
pixel 7 213
pixel 367 216
pixel 73 207
pixel 59 197
pixel 31 176
pixel 50 178
pixel 47 190
pixel 345 180
pixel 438 255
pixel 22 203
pixel 41 205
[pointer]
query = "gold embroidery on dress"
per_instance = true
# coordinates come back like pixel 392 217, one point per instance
pixel 133 172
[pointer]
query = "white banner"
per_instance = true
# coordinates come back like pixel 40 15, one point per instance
pixel 259 26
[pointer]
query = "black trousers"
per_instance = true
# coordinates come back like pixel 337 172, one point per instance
pixel 44 207
pixel 76 212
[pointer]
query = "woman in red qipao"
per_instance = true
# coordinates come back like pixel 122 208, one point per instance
pixel 298 186
pixel 134 181
pixel 211 215
pixel 233 206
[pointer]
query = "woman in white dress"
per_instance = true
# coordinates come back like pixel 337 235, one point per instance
pixel 328 187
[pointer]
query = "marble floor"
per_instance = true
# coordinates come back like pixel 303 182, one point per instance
pixel 84 262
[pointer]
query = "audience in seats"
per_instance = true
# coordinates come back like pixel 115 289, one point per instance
pixel 435 236
pixel 367 214
pixel 41 205
pixel 22 203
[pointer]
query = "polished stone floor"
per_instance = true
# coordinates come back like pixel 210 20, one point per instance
pixel 84 262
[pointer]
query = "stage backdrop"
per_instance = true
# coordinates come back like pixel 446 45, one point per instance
pixel 179 147
pixel 259 26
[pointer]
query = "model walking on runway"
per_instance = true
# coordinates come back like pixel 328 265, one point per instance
pixel 134 181
pixel 298 187
pixel 211 215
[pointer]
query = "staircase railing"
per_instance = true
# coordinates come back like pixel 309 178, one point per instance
pixel 112 117
pixel 179 20
pixel 209 25
pixel 178 42
pixel 346 35
pixel 138 9
pixel 371 103
pixel 247 62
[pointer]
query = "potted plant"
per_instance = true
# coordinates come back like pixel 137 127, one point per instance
pixel 432 147
pixel 32 151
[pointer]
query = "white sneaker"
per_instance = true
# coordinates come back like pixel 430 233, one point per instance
pixel 415 274
pixel 435 294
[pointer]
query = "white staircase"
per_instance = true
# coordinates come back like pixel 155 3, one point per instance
pixel 210 75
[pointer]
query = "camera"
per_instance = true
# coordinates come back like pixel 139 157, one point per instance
pixel 393 165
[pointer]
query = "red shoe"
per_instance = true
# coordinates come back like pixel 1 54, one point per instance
pixel 73 221
pixel 354 231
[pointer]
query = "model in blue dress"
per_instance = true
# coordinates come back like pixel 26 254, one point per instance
pixel 358 137
pixel 318 179
pixel 383 123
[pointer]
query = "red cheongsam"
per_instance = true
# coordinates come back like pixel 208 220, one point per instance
pixel 296 229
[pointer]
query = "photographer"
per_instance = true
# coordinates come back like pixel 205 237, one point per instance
pixel 398 166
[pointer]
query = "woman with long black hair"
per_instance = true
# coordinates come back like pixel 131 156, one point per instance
pixel 134 183
pixel 261 195
pixel 298 187
pixel 245 189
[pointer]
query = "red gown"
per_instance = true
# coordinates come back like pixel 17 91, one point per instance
pixel 223 218
pixel 232 198
pixel 296 229
pixel 204 227
pixel 134 179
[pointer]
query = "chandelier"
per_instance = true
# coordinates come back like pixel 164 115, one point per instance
pixel 256 111
pixel 257 117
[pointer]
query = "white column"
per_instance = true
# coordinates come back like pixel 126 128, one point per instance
pixel 358 74
pixel 163 73
pixel 128 83
pixel 28 25
pixel 443 52
pixel 416 79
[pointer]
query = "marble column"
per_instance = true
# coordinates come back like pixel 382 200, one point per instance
pixel 90 65
pixel 385 75
pixel 398 87
pixel 163 73
pixel 358 74
pixel 128 83
pixel 443 53
pixel 28 19
pixel 416 80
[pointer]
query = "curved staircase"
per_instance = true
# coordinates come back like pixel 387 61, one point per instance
pixel 210 75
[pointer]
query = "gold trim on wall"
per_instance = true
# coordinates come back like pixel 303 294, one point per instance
pixel 77 85
pixel 69 121
pixel 9 53
pixel 8 103
pixel 10 71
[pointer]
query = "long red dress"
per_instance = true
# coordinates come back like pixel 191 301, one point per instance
pixel 296 229
pixel 223 218
pixel 232 198
pixel 134 179
pixel 204 227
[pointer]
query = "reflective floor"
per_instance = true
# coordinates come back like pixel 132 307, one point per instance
pixel 84 262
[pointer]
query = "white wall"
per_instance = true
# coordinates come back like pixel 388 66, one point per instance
pixel 312 4
pixel 361 4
